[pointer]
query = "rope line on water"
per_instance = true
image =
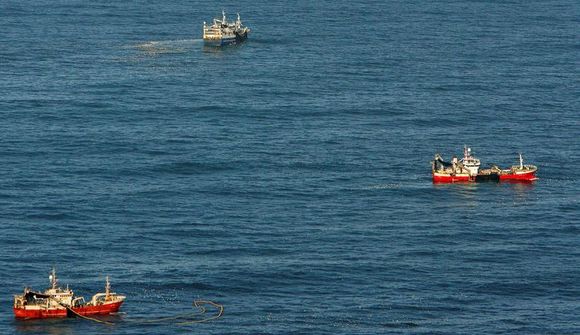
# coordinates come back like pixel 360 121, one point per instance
pixel 82 316
pixel 198 304
pixel 215 317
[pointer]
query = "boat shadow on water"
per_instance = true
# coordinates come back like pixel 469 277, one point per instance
pixel 52 326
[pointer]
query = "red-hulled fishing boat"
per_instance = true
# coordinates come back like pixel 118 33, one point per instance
pixel 57 302
pixel 468 169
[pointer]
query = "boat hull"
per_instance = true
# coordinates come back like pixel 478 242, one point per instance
pixel 518 176
pixel 233 40
pixel 220 43
pixel 507 176
pixel 38 312
pixel 450 178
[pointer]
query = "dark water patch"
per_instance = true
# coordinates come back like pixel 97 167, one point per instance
pixel 316 165
pixel 38 102
pixel 570 207
pixel 426 308
pixel 524 289
pixel 400 324
pixel 50 216
pixel 570 229
pixel 238 252
pixel 97 105
pixel 168 285
pixel 194 168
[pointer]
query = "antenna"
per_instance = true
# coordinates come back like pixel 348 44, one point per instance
pixel 52 278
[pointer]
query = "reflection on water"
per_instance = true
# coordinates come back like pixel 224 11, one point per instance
pixel 65 326
pixel 468 192
pixel 471 194
pixel 222 50
pixel 461 186
pixel 46 326
pixel 521 190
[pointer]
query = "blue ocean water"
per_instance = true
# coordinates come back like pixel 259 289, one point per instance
pixel 288 178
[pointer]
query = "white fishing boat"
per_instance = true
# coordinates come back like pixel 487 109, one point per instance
pixel 221 32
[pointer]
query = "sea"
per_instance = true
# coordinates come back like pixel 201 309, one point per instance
pixel 288 178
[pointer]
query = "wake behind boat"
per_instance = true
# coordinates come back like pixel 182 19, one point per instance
pixel 221 32
pixel 468 169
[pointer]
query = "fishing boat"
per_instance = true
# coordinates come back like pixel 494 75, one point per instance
pixel 221 32
pixel 519 172
pixel 56 302
pixel 468 169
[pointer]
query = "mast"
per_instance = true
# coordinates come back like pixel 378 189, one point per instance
pixel 107 289
pixel 52 278
pixel 521 162
pixel 223 16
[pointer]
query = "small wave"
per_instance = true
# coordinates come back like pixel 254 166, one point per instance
pixel 49 216
pixel 236 252
pixel 400 324
pixel 382 187
pixel 156 288
pixel 193 168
